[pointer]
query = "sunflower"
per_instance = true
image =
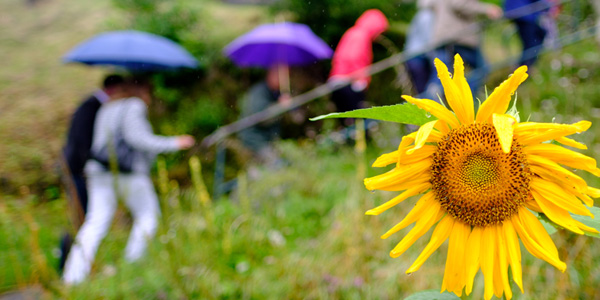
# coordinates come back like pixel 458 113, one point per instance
pixel 482 178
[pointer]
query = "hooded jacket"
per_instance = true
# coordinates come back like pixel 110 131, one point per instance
pixel 354 52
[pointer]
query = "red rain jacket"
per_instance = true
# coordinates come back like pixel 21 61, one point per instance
pixel 354 51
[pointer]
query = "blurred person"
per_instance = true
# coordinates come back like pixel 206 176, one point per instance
pixel 262 95
pixel 531 32
pixel 354 53
pixel 76 151
pixel 79 138
pixel 596 4
pixel 458 31
pixel 418 40
pixel 129 115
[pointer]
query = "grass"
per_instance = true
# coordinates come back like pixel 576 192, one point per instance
pixel 278 236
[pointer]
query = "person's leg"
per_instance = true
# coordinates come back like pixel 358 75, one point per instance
pixel 82 193
pixel 142 201
pixel 419 70
pixel 347 99
pixel 532 37
pixel 101 209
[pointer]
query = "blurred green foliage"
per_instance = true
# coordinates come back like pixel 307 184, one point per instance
pixel 329 19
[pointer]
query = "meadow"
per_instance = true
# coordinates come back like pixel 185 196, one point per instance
pixel 296 232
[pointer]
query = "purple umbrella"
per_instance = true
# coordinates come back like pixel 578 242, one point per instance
pixel 281 43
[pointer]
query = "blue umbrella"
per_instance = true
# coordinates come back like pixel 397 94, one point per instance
pixel 280 43
pixel 134 50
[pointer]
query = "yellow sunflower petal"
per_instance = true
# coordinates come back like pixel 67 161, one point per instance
pixel 534 133
pixel 553 193
pixel 408 193
pixel 422 136
pixel 546 168
pixel 440 235
pixel 394 157
pixel 498 101
pixel 564 156
pixel 436 109
pixel 430 217
pixel 386 159
pixel 537 231
pixel 532 245
pixel 454 275
pixel 534 128
pixel 472 257
pixel 453 93
pixel 593 192
pixel 464 88
pixel 415 179
pixel 514 252
pixel 533 206
pixel 405 143
pixel 503 261
pixel 504 129
pixel 487 255
pixel 556 214
pixel 585 227
pixel 417 212
pixel 396 176
pixel 498 289
pixel 571 143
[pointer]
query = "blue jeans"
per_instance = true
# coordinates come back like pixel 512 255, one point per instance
pixel 420 68
pixel 532 37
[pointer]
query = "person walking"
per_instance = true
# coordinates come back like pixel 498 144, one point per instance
pixel 457 30
pixel 531 32
pixel 76 151
pixel 418 40
pixel 261 96
pixel 127 116
pixel 354 53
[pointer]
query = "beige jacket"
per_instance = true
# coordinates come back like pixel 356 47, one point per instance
pixel 456 21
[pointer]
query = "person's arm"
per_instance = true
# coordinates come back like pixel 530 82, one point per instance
pixel 474 8
pixel 138 133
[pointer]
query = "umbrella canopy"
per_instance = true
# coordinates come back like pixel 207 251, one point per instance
pixel 134 50
pixel 281 43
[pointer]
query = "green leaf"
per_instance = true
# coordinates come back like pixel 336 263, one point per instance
pixel 432 295
pixel 548 224
pixel 401 113
pixel 594 223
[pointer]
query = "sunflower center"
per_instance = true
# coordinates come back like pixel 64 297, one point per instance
pixel 479 171
pixel 474 180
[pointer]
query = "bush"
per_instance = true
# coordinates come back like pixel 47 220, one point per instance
pixel 329 19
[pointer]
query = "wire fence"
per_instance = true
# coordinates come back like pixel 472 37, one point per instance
pixel 217 137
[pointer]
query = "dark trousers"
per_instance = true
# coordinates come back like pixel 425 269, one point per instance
pixel 67 240
pixel 347 99
pixel 420 68
pixel 532 36
pixel 82 194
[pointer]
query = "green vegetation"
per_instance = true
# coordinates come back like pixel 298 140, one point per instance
pixel 293 232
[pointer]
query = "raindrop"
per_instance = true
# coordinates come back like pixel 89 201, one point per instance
pixel 427 115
